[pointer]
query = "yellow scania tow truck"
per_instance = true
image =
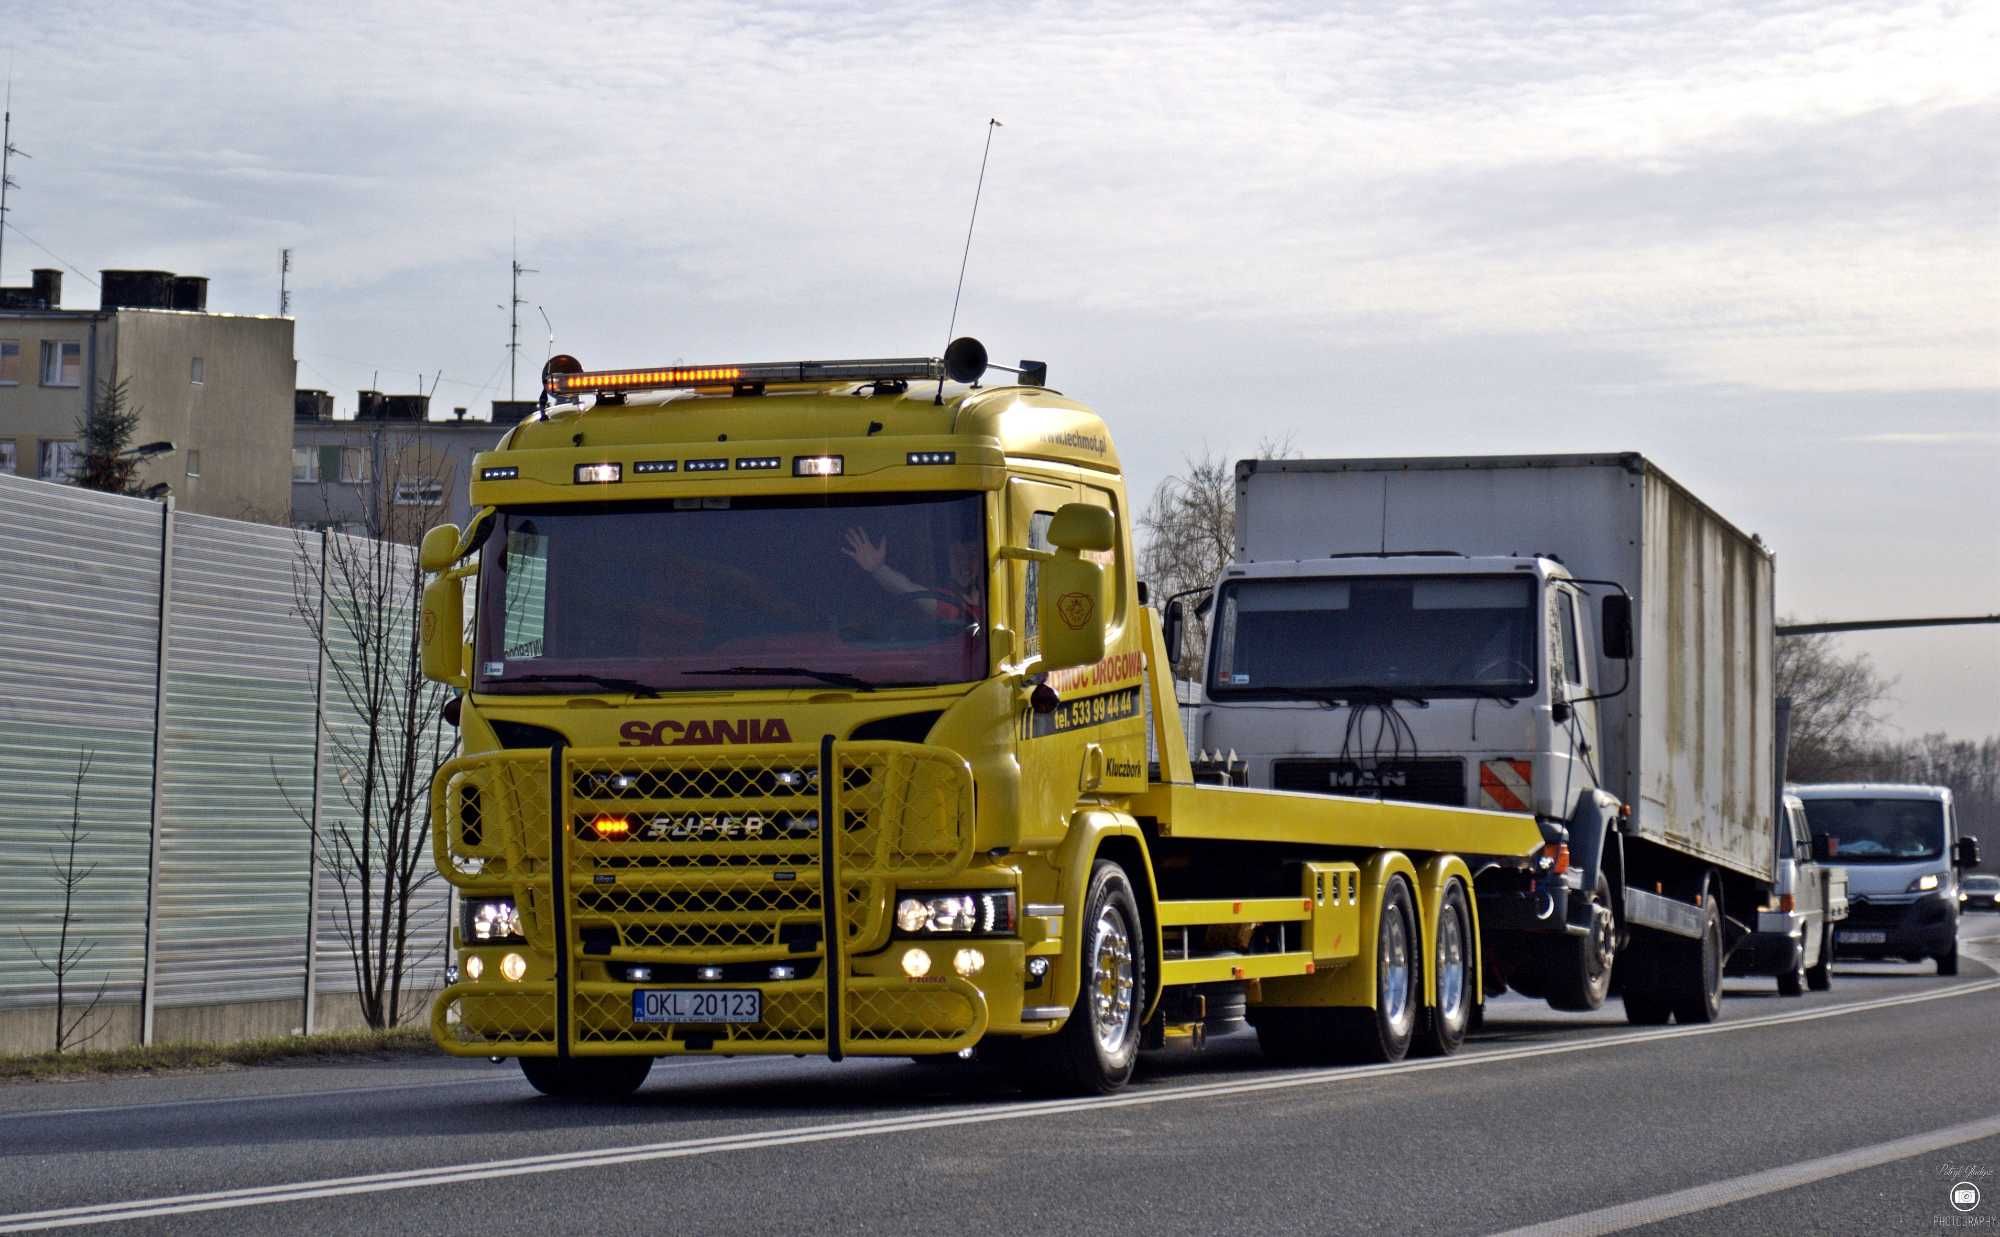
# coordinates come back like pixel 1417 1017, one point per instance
pixel 806 708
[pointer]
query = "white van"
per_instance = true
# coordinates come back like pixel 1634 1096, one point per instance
pixel 1902 852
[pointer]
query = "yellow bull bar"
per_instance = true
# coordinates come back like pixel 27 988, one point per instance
pixel 741 856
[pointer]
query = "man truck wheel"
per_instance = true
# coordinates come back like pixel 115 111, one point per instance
pixel 1096 1049
pixel 1698 982
pixel 586 1078
pixel 1579 967
pixel 1445 1023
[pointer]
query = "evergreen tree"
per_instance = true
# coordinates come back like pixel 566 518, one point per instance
pixel 105 435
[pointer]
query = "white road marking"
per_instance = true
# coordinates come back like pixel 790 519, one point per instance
pixel 1755 1185
pixel 375 1183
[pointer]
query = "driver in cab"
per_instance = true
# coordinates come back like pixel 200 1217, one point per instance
pixel 958 601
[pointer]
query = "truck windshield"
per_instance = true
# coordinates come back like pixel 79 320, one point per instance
pixel 1879 830
pixel 726 593
pixel 1425 635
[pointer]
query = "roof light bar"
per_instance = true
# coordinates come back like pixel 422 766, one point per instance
pixel 603 381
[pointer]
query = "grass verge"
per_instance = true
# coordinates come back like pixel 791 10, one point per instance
pixel 183 1058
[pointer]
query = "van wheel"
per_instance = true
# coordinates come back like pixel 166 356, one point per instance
pixel 1579 967
pixel 586 1078
pixel 1699 965
pixel 1443 1026
pixel 1793 982
pixel 1820 978
pixel 1096 1049
pixel 1948 963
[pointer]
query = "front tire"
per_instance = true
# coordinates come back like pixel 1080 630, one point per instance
pixel 1579 967
pixel 1819 978
pixel 1947 963
pixel 1444 1024
pixel 1096 1049
pixel 586 1078
pixel 1793 982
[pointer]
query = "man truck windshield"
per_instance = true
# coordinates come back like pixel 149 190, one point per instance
pixel 1879 830
pixel 712 593
pixel 1427 636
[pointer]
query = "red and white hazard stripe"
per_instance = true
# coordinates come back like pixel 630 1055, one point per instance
pixel 1507 785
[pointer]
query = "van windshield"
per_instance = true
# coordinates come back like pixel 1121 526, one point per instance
pixel 1879 830
pixel 727 593
pixel 1426 635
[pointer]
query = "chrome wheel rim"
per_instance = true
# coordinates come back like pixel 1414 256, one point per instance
pixel 1603 939
pixel 1396 1005
pixel 1112 982
pixel 1451 971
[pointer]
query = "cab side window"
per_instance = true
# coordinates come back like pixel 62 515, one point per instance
pixel 1038 539
pixel 1566 620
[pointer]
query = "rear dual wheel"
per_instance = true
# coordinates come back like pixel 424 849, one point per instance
pixel 1384 1033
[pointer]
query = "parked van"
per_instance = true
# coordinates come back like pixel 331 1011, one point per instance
pixel 1795 930
pixel 1902 852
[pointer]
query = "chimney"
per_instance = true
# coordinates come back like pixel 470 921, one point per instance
pixel 310 405
pixel 137 290
pixel 47 286
pixel 458 414
pixel 190 292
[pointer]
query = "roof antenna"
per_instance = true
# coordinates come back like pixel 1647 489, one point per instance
pixel 991 125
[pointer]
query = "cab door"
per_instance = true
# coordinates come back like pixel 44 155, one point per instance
pixel 1051 760
pixel 1574 750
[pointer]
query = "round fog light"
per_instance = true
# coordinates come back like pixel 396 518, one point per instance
pixel 912 915
pixel 968 962
pixel 513 966
pixel 475 966
pixel 916 963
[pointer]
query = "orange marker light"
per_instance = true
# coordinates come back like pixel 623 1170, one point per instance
pixel 611 827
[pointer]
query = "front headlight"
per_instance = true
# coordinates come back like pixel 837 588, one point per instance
pixel 979 912
pixel 1923 884
pixel 489 921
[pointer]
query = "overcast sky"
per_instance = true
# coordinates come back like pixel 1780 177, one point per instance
pixel 1759 243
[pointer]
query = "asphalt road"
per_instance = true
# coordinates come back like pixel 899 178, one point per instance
pixel 1851 1111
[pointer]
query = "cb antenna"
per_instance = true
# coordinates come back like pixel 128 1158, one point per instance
pixel 991 125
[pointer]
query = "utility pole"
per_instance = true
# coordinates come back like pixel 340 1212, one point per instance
pixel 284 291
pixel 514 322
pixel 7 152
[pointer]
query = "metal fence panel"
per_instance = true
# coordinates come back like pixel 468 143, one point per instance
pixel 237 768
pixel 79 613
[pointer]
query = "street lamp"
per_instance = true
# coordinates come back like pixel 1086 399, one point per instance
pixel 146 451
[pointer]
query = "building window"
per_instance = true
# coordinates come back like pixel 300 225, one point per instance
pixel 194 461
pixel 10 362
pixel 62 364
pixel 196 372
pixel 421 493
pixel 7 456
pixel 353 465
pixel 59 459
pixel 305 464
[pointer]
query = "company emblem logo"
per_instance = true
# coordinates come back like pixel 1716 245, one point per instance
pixel 704 733
pixel 1075 608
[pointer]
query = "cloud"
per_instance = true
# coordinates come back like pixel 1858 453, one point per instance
pixel 1942 438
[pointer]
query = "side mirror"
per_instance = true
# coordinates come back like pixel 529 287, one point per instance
pixel 1069 608
pixel 1081 526
pixel 1966 853
pixel 1822 848
pixel 439 548
pixel 441 629
pixel 1615 634
pixel 1172 624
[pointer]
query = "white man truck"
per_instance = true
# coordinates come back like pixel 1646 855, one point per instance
pixel 1575 636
